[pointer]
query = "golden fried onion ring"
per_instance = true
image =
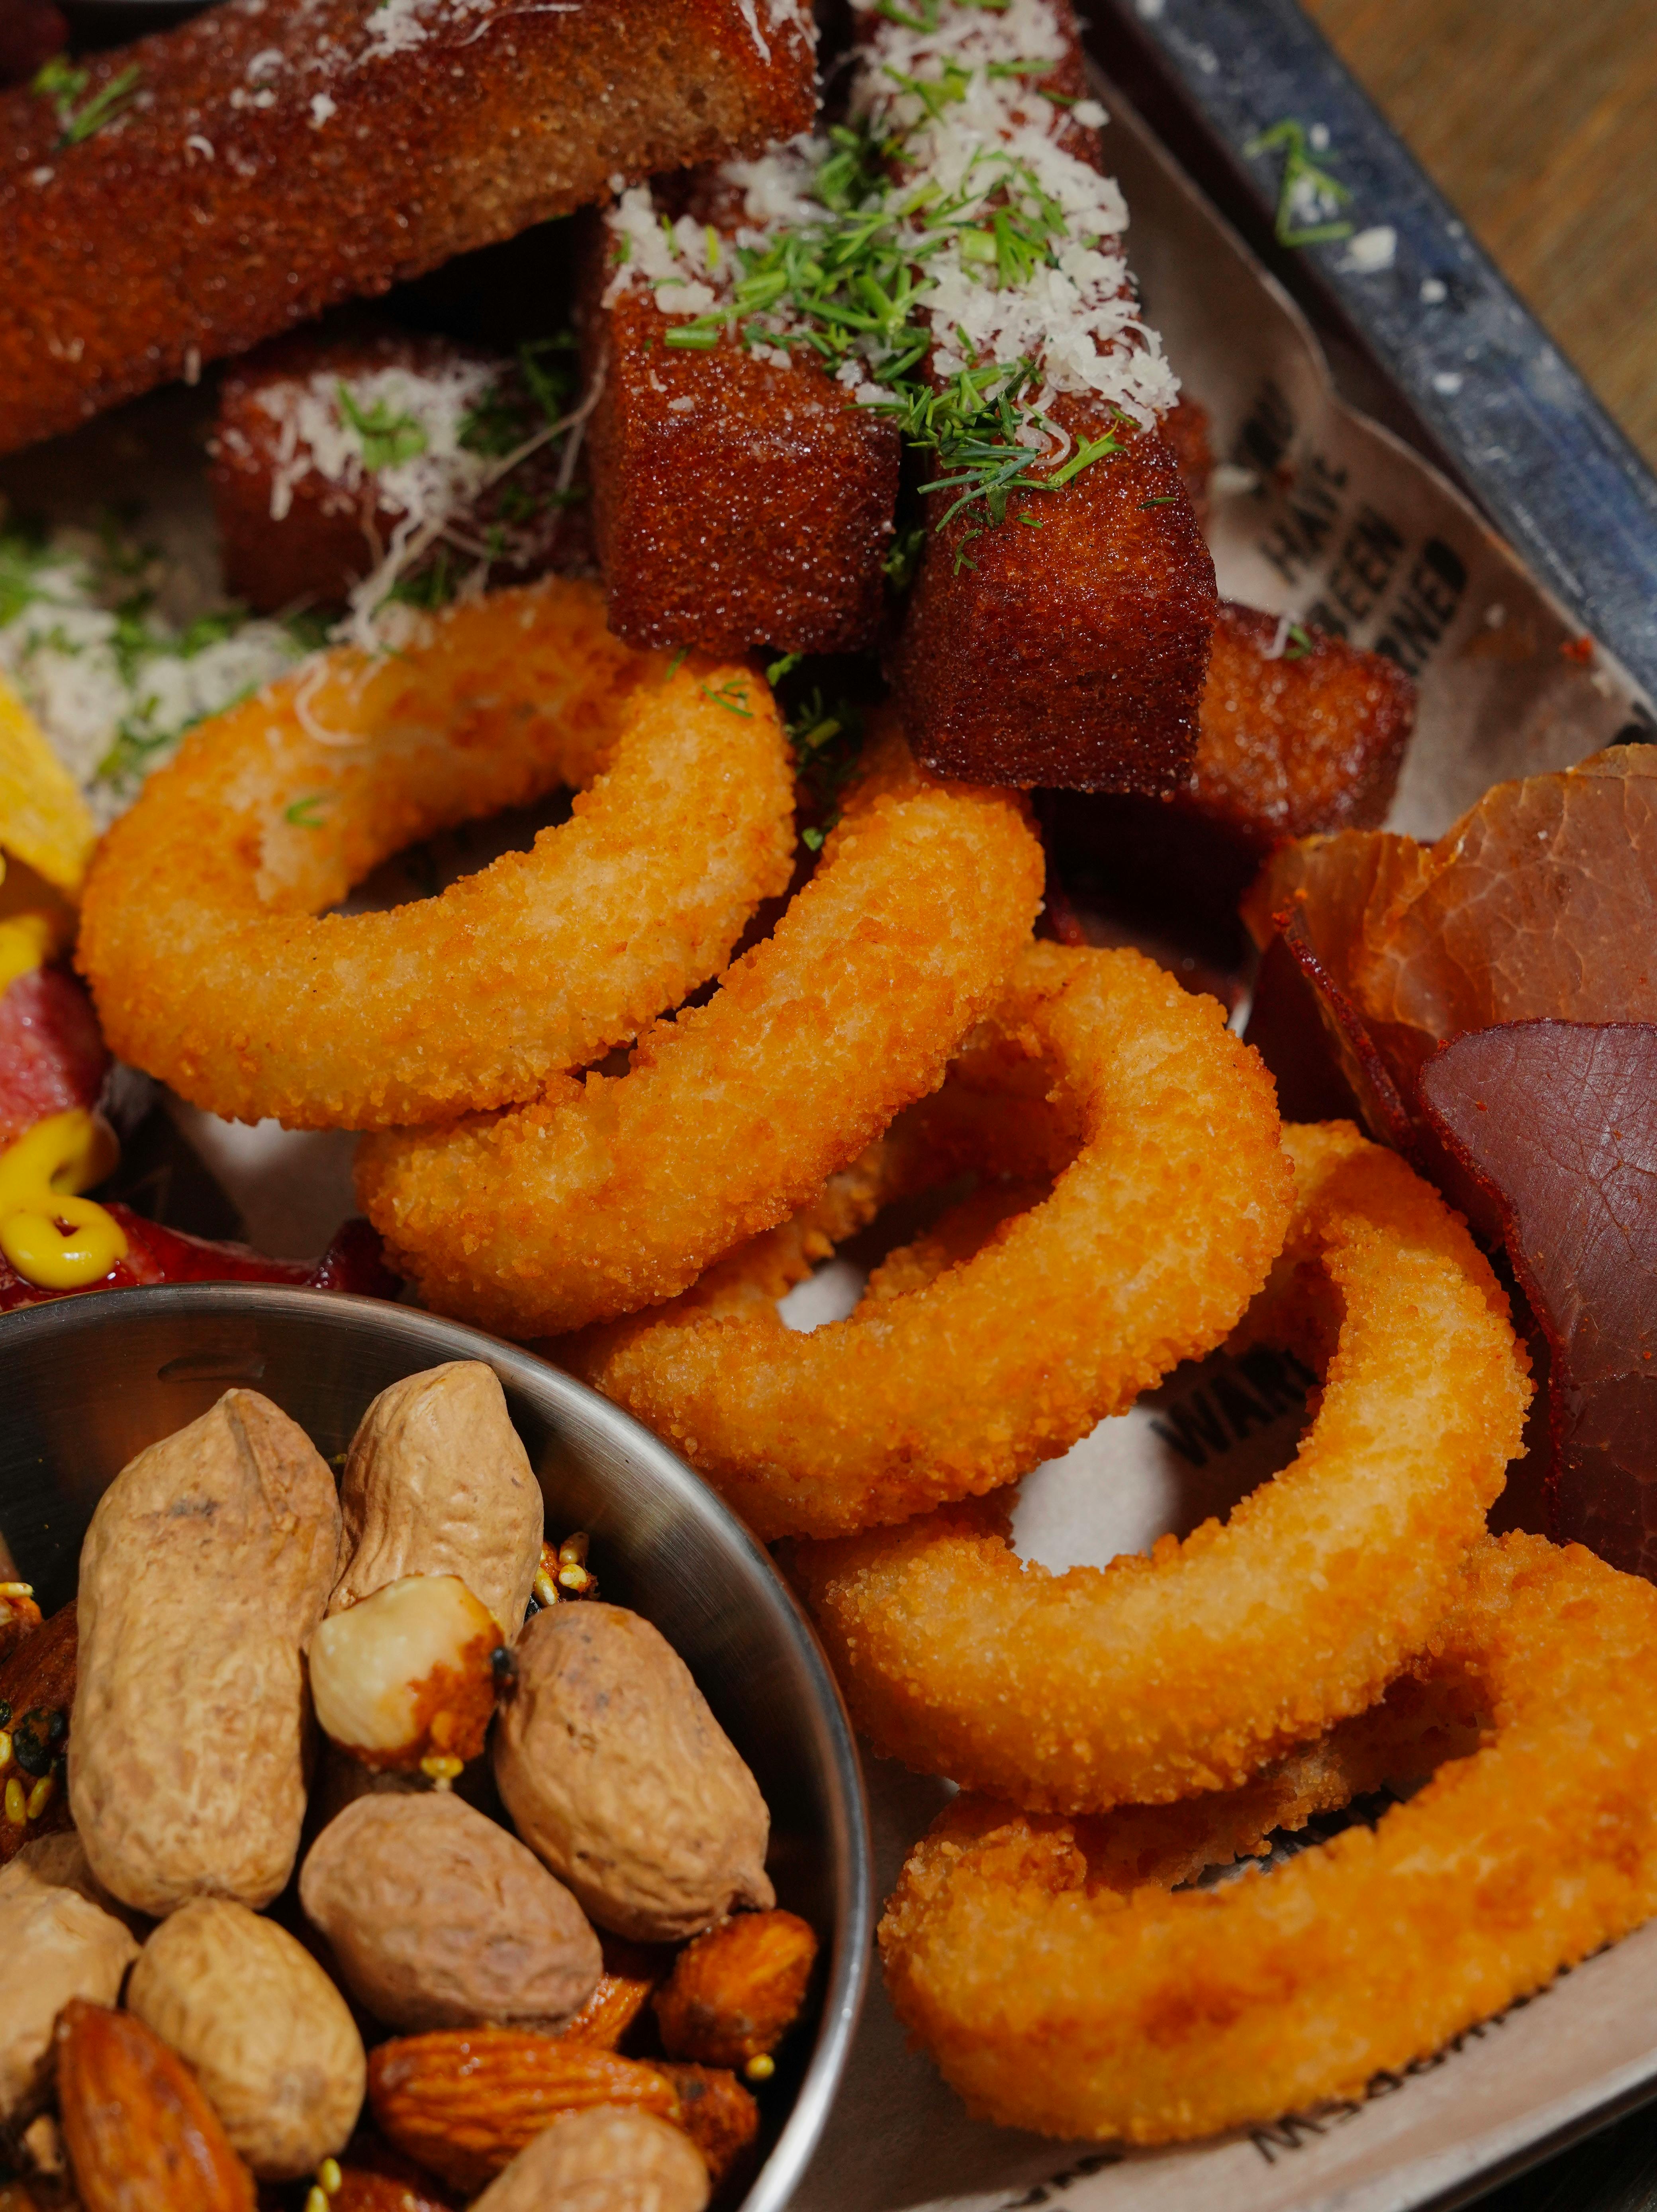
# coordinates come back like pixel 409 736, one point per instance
pixel 951 1379
pixel 614 1195
pixel 214 968
pixel 1057 1993
pixel 1149 1678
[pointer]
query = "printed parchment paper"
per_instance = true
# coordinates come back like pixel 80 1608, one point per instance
pixel 1317 512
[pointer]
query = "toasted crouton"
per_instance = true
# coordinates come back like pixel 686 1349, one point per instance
pixel 1299 733
pixel 302 518
pixel 1067 646
pixel 737 502
pixel 183 198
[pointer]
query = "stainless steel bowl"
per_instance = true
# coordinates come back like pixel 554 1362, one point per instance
pixel 87 1382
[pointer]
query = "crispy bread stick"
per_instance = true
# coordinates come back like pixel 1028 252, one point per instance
pixel 1068 645
pixel 186 196
pixel 1299 733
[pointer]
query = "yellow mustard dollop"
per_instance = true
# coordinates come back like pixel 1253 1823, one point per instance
pixel 54 1237
pixel 28 941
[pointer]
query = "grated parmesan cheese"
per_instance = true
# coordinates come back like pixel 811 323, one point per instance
pixel 315 438
pixel 978 135
pixel 113 685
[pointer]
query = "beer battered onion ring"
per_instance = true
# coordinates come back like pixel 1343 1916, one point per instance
pixel 616 1194
pixel 214 968
pixel 1151 1678
pixel 945 1384
pixel 1057 1993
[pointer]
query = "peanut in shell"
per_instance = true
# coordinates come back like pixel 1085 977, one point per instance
pixel 438 1483
pixel 602 2160
pixel 206 1567
pixel 440 1919
pixel 56 1942
pixel 268 2035
pixel 619 1778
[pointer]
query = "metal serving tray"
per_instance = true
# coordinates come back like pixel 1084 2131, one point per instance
pixel 1474 381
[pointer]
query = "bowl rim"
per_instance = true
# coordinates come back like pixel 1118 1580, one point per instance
pixel 849 1837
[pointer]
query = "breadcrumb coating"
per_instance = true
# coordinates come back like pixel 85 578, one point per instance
pixel 1056 1994
pixel 964 1375
pixel 215 968
pixel 1152 1677
pixel 616 1193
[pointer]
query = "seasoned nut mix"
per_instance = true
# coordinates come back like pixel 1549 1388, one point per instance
pixel 183 1702
pixel 603 2160
pixel 407 1675
pixel 617 1775
pixel 439 1918
pixel 437 1483
pixel 269 2037
pixel 205 1568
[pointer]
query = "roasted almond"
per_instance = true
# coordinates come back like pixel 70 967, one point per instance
pixel 631 1971
pixel 140 2135
pixel 464 2101
pixel 721 2118
pixel 736 1991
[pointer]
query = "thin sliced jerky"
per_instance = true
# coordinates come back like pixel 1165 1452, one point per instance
pixel 1558 1120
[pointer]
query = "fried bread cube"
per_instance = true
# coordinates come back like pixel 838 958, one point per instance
pixel 1299 733
pixel 183 198
pixel 737 502
pixel 1186 427
pixel 311 483
pixel 1066 645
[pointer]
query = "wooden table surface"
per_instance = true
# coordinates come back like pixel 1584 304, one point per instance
pixel 1538 119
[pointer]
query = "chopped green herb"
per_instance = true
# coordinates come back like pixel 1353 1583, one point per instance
pixel 385 437
pixel 309 630
pixel 732 695
pixel 826 743
pixel 853 289
pixel 63 84
pixel 1163 499
pixel 901 563
pixel 303 812
pixel 677 662
pixel 1303 184
pixel 428 589
pixel 778 669
pixel 1298 643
